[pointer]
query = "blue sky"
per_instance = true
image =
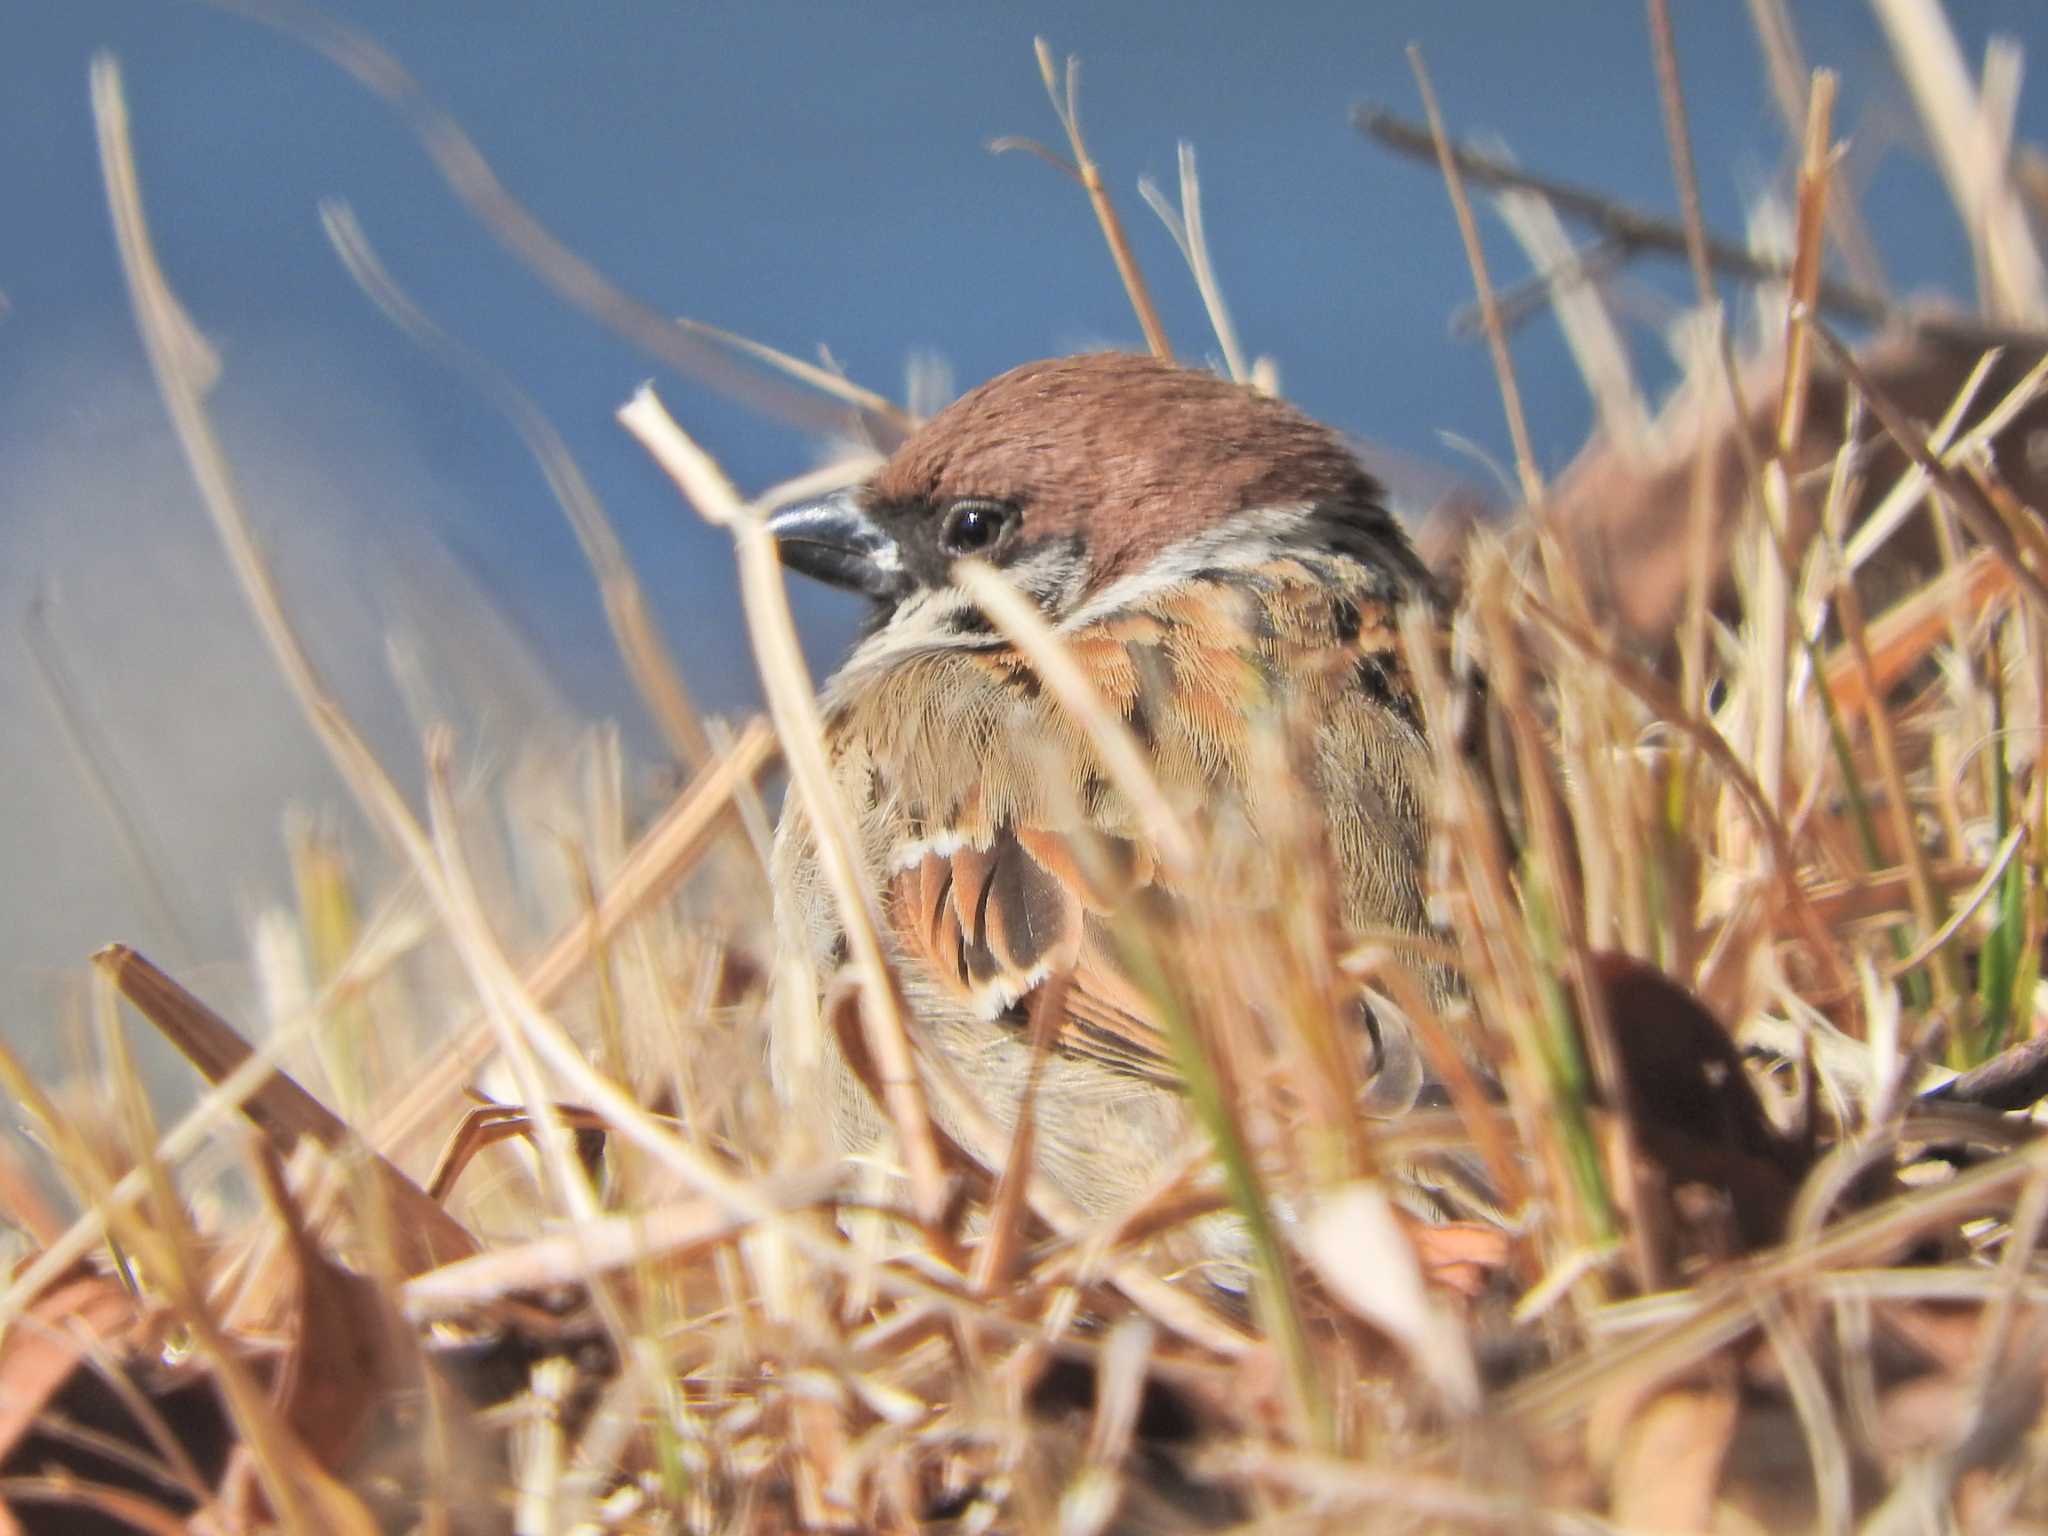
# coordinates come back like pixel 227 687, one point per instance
pixel 806 174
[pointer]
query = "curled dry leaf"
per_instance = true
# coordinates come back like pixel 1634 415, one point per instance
pixel 90 1423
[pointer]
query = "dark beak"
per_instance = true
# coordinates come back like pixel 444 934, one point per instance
pixel 834 540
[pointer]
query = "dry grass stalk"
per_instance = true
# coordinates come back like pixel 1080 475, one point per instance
pixel 647 657
pixel 724 1333
pixel 1475 257
pixel 1185 225
pixel 790 700
pixel 1084 170
pixel 695 349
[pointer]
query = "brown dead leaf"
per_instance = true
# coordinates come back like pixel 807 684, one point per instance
pixel 91 1435
pixel 422 1233
pixel 46 1346
pixel 1623 512
pixel 1695 1113
pixel 353 1355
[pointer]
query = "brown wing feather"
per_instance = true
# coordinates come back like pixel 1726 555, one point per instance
pixel 1012 854
pixel 997 923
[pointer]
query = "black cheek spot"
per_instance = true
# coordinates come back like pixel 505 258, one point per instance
pixel 1345 620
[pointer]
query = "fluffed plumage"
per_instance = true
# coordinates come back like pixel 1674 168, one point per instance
pixel 1224 571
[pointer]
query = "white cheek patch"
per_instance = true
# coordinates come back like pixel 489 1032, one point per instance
pixel 1249 538
pixel 922 623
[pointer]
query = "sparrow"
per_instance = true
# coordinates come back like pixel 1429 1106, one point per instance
pixel 1227 575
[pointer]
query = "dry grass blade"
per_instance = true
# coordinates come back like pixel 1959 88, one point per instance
pixel 1489 309
pixel 462 912
pixel 660 859
pixel 1969 500
pixel 425 1234
pixel 156 311
pixel 198 1129
pixel 1966 907
pixel 1789 73
pixel 1709 1318
pixel 161 322
pixel 1354 1487
pixel 1569 282
pixel 802 732
pixel 1900 638
pixel 1759 1261
pixel 1671 93
pixel 1679 137
pixel 1665 705
pixel 1933 67
pixel 1084 170
pixel 1122 758
pixel 1001 1246
pixel 646 654
pixel 1815 168
pixel 1927 904
pixel 671 1233
pixel 180 388
pixel 1185 225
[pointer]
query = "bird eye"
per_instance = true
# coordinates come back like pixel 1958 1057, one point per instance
pixel 972 527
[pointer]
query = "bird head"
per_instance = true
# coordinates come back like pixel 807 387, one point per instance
pixel 1079 476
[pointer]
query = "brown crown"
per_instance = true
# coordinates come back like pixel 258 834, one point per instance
pixel 1128 453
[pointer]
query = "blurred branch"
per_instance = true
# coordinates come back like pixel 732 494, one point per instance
pixel 804 395
pixel 634 631
pixel 1625 233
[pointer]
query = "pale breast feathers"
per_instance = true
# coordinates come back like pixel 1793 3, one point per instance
pixel 1005 854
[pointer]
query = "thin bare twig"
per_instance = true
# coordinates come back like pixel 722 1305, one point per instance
pixel 1084 170
pixel 1634 232
pixel 1475 254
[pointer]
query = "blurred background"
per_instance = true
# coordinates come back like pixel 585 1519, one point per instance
pixel 811 176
